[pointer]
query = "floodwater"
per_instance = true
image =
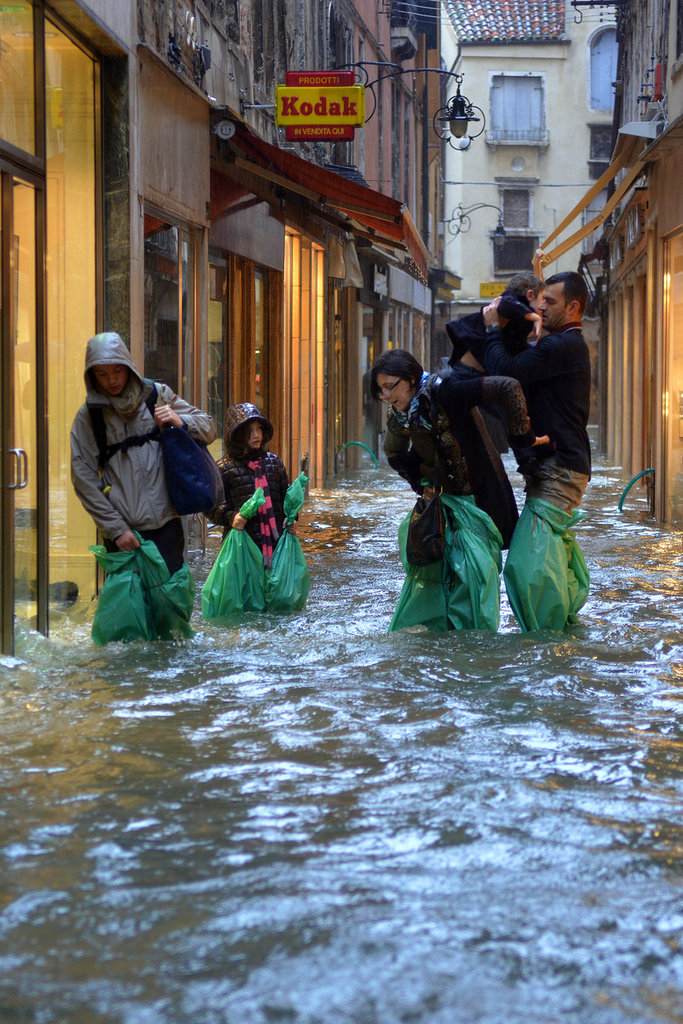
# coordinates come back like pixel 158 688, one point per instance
pixel 307 820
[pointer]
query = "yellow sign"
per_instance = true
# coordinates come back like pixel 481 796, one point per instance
pixel 305 105
pixel 489 289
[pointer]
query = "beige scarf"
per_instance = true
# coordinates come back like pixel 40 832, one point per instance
pixel 126 404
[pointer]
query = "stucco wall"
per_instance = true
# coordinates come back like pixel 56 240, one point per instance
pixel 174 143
pixel 108 24
pixel 556 172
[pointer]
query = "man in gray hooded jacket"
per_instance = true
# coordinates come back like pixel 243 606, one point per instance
pixel 128 493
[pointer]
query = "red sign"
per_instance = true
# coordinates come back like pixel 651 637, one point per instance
pixel 318 79
pixel 331 132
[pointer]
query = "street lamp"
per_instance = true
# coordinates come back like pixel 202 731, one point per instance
pixel 451 122
pixel 458 113
pixel 459 221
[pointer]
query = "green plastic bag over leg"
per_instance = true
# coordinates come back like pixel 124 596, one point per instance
pixel 237 581
pixel 139 599
pixel 546 576
pixel 475 561
pixel 463 590
pixel 287 581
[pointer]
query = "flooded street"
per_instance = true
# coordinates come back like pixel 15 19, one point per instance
pixel 308 820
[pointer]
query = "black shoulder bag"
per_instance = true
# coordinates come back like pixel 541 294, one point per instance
pixel 426 540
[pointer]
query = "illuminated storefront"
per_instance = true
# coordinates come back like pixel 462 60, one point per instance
pixel 673 379
pixel 303 365
pixel 104 226
pixel 643 376
pixel 267 202
pixel 48 167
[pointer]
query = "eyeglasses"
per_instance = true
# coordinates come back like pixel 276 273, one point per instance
pixel 387 390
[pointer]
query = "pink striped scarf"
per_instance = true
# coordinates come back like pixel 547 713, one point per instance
pixel 269 534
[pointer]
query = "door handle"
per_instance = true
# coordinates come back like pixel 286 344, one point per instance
pixel 20 478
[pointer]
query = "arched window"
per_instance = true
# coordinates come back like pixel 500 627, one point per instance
pixel 603 69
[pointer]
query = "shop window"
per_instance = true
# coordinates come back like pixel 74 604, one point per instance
pixel 17 97
pixel 374 412
pixel 303 378
pixel 517 109
pixel 71 314
pixel 515 254
pixel 217 355
pixel 603 69
pixel 673 397
pixel 260 338
pixel 169 304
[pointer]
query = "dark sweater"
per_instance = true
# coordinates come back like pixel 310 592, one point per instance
pixel 556 377
pixel 469 332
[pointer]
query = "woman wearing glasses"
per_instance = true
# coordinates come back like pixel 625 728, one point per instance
pixel 436 440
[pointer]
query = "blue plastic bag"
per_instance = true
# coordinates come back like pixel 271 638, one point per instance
pixel 193 479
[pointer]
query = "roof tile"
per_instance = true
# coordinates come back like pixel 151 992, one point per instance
pixel 507 21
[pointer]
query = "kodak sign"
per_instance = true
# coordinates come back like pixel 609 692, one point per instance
pixel 319 104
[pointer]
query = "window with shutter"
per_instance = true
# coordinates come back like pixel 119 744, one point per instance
pixel 600 149
pixel 603 65
pixel 517 109
pixel 516 207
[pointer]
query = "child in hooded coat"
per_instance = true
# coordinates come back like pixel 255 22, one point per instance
pixel 248 465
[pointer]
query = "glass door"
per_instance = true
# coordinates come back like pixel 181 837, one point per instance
pixel 19 513
pixel 217 351
pixel 24 420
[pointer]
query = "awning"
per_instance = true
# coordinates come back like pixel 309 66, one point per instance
pixel 368 214
pixel 623 156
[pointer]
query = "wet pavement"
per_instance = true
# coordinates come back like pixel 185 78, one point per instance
pixel 308 820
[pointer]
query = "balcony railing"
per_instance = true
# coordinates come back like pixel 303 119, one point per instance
pixel 530 136
pixel 404 15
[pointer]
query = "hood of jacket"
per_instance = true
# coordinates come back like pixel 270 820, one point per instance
pixel 106 349
pixel 236 416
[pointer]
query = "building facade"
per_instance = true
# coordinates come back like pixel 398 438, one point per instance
pixel 147 189
pixel 643 394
